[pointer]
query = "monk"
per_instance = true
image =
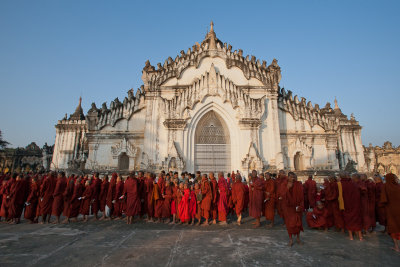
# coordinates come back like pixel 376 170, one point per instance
pixel 159 202
pixel 293 207
pixel 32 201
pixel 256 197
pixel 352 205
pixel 269 199
pixel 17 197
pixel 281 182
pixel 58 199
pixel 67 197
pixel 5 191
pixel 142 193
pixel 86 200
pixel 95 203
pixel 206 201
pixel 192 204
pixel 75 202
pixel 166 208
pixel 390 198
pixel 198 195
pixel 110 196
pixel 317 217
pixel 148 200
pixel 380 209
pixel 333 202
pixel 103 195
pixel 174 205
pixel 360 180
pixel 214 203
pixel 330 202
pixel 238 197
pixel 371 203
pixel 46 197
pixel 131 193
pixel 223 199
pixel 310 192
pixel 118 202
pixel 184 205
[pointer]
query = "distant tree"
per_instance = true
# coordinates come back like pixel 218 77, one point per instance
pixel 3 143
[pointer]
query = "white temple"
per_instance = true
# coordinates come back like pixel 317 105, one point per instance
pixel 209 109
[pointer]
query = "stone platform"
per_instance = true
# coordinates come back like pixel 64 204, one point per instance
pixel 105 243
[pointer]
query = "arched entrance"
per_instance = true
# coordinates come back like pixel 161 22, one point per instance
pixel 123 161
pixel 212 145
pixel 298 162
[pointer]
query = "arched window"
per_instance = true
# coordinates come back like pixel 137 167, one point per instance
pixel 123 161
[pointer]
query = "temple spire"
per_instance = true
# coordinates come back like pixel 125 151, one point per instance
pixel 211 26
pixel 78 114
pixel 336 104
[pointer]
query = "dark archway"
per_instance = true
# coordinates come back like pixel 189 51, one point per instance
pixel 123 161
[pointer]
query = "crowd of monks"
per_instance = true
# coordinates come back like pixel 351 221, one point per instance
pixel 347 202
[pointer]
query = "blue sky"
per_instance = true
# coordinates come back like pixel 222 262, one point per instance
pixel 52 52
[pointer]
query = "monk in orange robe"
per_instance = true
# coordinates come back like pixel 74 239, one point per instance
pixel 206 201
pixel 131 193
pixel 214 203
pixel 46 197
pixel 293 207
pixel 269 199
pixel 317 217
pixel 149 201
pixel 238 197
pixel 58 199
pixel 352 205
pixel 256 197
pixel 198 197
pixel 390 198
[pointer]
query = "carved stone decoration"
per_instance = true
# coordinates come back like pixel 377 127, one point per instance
pixel 252 160
pixel 175 161
pixel 124 146
pixel 175 123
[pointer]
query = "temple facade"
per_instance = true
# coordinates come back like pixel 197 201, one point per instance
pixel 209 109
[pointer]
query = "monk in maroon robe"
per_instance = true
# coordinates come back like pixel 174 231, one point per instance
pixel 360 180
pixel 281 182
pixel 67 197
pixel 95 203
pixel 206 201
pixel 238 196
pixel 269 199
pixel 131 193
pixel 352 205
pixel 317 217
pixel 371 203
pixel 390 198
pixel 198 197
pixel 167 196
pixel 148 200
pixel 293 207
pixel 223 199
pixel 142 193
pixel 17 199
pixel 75 203
pixel 6 187
pixel 111 195
pixel 256 197
pixel 103 196
pixel 118 202
pixel 32 201
pixel 58 198
pixel 380 209
pixel 183 207
pixel 86 200
pixel 310 192
pixel 214 203
pixel 46 197
pixel 159 202
pixel 333 203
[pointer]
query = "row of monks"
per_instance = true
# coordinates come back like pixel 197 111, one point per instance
pixel 354 202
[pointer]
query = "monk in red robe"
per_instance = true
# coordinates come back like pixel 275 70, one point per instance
pixel 46 197
pixel 360 180
pixel 118 201
pixel 206 201
pixel 238 197
pixel 103 195
pixel 198 198
pixel 110 196
pixel 192 205
pixel 174 205
pixel 317 217
pixel 371 203
pixel 352 205
pixel 75 202
pixel 95 203
pixel 85 200
pixel 293 207
pixel 310 192
pixel 269 199
pixel 183 207
pixel 17 196
pixel 256 197
pixel 58 199
pixel 131 193
pixel 380 209
pixel 159 202
pixel 390 198
pixel 149 202
pixel 333 203
pixel 330 201
pixel 32 201
pixel 215 196
pixel 5 192
pixel 223 199
pixel 67 197
pixel 142 194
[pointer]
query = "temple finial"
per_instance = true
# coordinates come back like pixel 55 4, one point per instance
pixel 211 26
pixel 336 104
pixel 80 101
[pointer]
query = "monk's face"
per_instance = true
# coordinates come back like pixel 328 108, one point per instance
pixel 253 174
pixel 320 206
pixel 185 186
pixel 180 186
pixel 291 178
